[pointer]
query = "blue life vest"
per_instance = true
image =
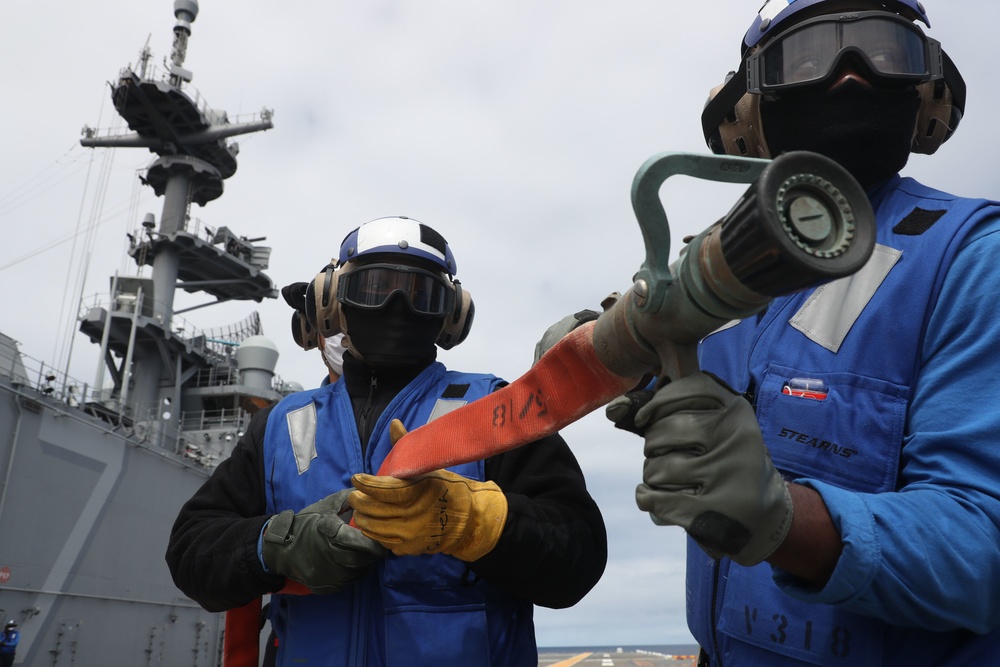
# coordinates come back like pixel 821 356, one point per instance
pixel 408 611
pixel 831 376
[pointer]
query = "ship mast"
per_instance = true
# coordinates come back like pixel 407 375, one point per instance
pixel 107 468
pixel 194 158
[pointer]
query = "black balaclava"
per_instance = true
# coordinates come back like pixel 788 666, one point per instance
pixel 866 130
pixel 393 335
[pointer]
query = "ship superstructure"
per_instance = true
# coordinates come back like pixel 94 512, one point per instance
pixel 92 473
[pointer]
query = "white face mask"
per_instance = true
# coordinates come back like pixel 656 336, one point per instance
pixel 333 352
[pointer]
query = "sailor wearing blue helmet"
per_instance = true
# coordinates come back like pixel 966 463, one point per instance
pixel 444 568
pixel 817 72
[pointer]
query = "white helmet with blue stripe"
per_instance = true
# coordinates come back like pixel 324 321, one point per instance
pixel 387 239
pixel 398 235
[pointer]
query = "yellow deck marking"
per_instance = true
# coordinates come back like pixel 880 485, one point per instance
pixel 572 661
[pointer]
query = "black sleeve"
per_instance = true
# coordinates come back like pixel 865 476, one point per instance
pixel 212 552
pixel 554 546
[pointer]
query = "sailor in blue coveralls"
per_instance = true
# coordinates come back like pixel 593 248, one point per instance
pixel 837 466
pixel 8 644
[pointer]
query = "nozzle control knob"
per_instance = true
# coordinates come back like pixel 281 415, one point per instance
pixel 804 221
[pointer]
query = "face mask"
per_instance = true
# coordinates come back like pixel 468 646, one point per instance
pixel 867 131
pixel 333 353
pixel 392 335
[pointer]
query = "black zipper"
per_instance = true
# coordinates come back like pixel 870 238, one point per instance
pixel 366 412
pixel 716 567
pixel 751 395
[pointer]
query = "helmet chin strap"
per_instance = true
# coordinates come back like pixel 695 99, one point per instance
pixel 346 340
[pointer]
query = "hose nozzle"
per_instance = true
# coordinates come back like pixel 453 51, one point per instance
pixel 803 221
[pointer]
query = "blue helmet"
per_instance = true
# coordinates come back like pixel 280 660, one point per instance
pixel 398 236
pixel 731 119
pixel 777 13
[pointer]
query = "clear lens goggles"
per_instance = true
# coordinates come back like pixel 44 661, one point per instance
pixel 371 286
pixel 892 47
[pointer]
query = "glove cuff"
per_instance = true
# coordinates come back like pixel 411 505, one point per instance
pixel 486 523
pixel 276 538
pixel 780 517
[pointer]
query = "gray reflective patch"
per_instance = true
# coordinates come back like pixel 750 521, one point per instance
pixel 828 315
pixel 728 325
pixel 302 431
pixel 444 406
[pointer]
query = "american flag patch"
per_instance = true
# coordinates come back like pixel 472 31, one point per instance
pixel 806 388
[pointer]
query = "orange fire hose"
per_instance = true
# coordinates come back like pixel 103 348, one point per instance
pixel 241 640
pixel 567 383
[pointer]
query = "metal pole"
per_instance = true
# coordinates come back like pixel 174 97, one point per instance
pixel 99 378
pixel 127 368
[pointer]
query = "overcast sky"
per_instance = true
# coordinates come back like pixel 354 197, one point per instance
pixel 514 128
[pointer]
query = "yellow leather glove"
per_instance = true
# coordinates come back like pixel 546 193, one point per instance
pixel 438 512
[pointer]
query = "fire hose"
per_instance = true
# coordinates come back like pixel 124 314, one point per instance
pixel 803 221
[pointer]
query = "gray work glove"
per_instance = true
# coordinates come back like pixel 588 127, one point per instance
pixel 560 329
pixel 707 470
pixel 316 547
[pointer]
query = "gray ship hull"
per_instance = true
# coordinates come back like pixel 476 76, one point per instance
pixel 85 512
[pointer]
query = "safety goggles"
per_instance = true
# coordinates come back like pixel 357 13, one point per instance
pixel 370 286
pixel 893 48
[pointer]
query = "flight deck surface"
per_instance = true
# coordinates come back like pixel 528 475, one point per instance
pixel 568 658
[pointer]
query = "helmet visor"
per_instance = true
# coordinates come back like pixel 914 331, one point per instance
pixel 370 286
pixel 892 48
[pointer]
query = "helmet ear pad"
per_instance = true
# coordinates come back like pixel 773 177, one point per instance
pixel 938 117
pixel 322 306
pixel 740 132
pixel 303 333
pixel 459 322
